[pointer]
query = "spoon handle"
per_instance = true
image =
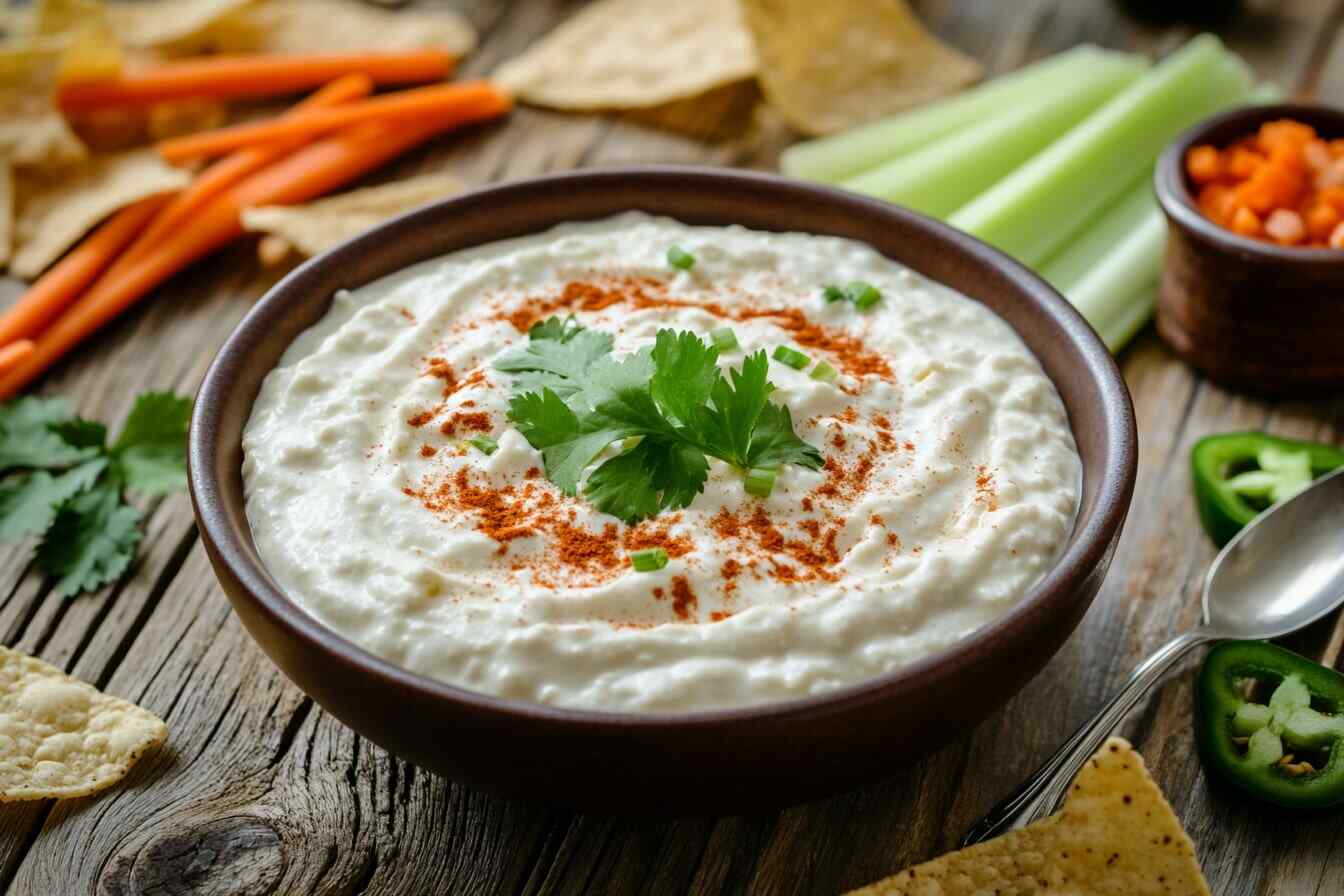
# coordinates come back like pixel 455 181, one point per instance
pixel 1044 790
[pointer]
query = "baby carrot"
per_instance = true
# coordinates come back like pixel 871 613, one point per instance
pixel 235 167
pixel 12 354
pixel 467 102
pixel 63 283
pixel 232 77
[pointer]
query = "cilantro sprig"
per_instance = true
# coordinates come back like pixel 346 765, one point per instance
pixel 573 399
pixel 61 481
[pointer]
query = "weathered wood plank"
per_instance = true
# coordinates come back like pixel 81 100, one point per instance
pixel 260 791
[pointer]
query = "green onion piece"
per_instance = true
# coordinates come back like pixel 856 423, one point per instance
pixel 824 372
pixel 648 560
pixel 863 295
pixel 792 357
pixel 483 444
pixel 761 481
pixel 724 339
pixel 833 294
pixel 680 259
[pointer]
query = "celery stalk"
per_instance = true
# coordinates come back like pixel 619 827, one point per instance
pixel 1110 271
pixel 1036 209
pixel 834 158
pixel 946 174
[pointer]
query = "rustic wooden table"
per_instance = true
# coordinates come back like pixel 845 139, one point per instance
pixel 259 791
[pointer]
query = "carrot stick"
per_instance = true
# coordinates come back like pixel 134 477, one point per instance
pixel 469 101
pixel 306 174
pixel 230 170
pixel 12 354
pixel 61 285
pixel 232 77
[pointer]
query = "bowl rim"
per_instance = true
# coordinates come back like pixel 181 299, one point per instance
pixel 1177 200
pixel 1095 534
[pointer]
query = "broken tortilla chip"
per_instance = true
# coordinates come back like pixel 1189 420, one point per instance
pixel 1115 836
pixel 634 54
pixel 314 227
pixel 830 66
pixel 60 737
pixel 53 211
pixel 6 210
pixel 154 24
pixel 32 131
pixel 332 26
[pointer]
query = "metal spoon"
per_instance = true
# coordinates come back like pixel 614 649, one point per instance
pixel 1279 574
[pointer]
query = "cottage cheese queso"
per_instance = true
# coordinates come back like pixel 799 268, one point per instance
pixel 392 497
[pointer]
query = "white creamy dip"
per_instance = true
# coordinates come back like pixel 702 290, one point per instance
pixel 951 478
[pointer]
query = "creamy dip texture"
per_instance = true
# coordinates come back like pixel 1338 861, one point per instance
pixel 950 479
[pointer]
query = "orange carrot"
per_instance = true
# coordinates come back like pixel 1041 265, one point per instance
pixel 232 77
pixel 467 102
pixel 63 283
pixel 229 171
pixel 306 174
pixel 12 354
pixel 1204 164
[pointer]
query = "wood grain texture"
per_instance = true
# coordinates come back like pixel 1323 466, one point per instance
pixel 260 792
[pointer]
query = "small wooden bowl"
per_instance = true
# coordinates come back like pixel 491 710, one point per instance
pixel 1249 314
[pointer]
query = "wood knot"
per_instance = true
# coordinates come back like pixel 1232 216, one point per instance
pixel 237 856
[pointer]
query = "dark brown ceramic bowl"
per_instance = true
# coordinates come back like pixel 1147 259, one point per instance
pixel 1249 314
pixel 714 762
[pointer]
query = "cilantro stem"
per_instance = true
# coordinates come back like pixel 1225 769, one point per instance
pixel 791 357
pixel 680 259
pixel 760 481
pixel 648 559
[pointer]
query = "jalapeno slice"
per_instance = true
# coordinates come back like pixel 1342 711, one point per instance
pixel 1239 475
pixel 1271 723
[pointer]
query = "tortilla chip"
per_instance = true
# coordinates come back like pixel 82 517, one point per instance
pixel 1115 836
pixel 55 210
pixel 152 24
pixel 32 130
pixel 60 737
pixel 333 26
pixel 6 210
pixel 830 66
pixel 724 113
pixel 314 227
pixel 634 54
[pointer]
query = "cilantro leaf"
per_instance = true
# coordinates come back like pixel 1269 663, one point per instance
pixel 28 503
pixel 555 358
pixel 91 542
pixel 555 327
pixel 81 433
pixel 151 452
pixel 737 401
pixel 622 487
pixel 27 437
pixel 567 445
pixel 773 441
pixel 685 371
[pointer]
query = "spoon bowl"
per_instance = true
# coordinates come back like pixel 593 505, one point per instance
pixel 1283 571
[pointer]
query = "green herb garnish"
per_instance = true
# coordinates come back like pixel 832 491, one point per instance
pixel 824 372
pixel 62 482
pixel 648 560
pixel 573 399
pixel 760 481
pixel 862 295
pixel 680 259
pixel 724 339
pixel 483 444
pixel 791 357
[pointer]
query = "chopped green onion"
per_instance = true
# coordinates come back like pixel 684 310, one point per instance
pixel 824 372
pixel 792 357
pixel 863 295
pixel 761 481
pixel 483 444
pixel 833 294
pixel 648 560
pixel 680 259
pixel 724 339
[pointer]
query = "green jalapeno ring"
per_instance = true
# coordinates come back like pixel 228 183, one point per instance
pixel 1228 474
pixel 1288 751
